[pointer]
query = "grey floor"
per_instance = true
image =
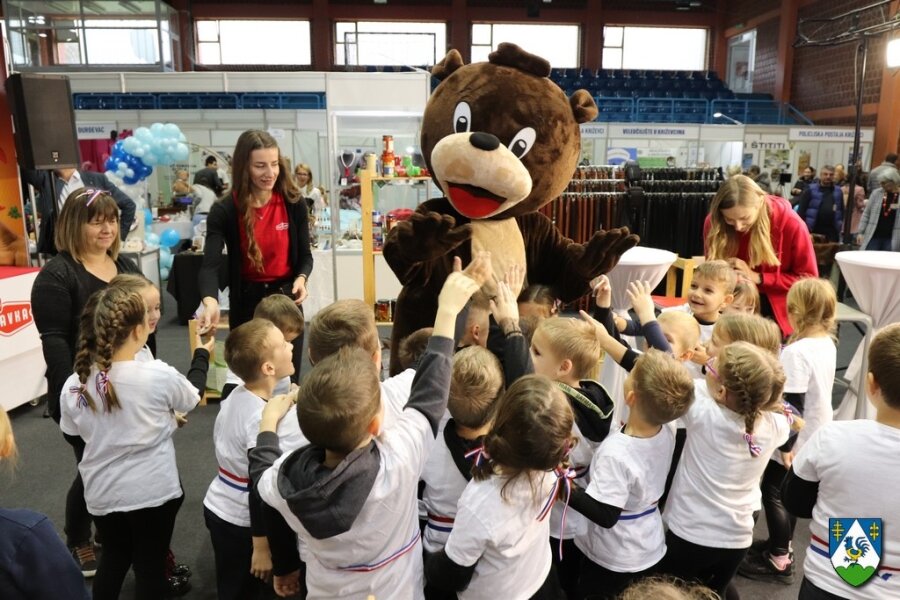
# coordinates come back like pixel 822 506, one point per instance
pixel 47 466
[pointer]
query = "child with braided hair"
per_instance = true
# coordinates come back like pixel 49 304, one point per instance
pixel 123 408
pixel 499 538
pixel 738 422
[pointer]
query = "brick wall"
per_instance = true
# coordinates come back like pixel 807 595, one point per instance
pixel 766 62
pixel 741 11
pixel 824 77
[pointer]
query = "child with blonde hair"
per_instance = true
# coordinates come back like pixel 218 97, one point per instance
pixel 746 297
pixel 123 410
pixel 34 561
pixel 475 385
pixel 848 468
pixel 499 539
pixel 734 425
pixel 568 351
pixel 809 361
pixel 626 538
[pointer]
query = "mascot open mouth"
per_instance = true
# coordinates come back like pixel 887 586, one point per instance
pixel 473 202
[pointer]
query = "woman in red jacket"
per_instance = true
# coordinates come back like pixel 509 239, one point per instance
pixel 762 238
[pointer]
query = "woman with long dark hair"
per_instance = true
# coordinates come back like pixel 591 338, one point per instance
pixel 264 226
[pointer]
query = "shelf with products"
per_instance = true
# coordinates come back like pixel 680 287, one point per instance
pixel 381 199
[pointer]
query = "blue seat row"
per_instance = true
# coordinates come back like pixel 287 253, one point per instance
pixel 197 101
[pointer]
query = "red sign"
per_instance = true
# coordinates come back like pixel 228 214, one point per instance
pixel 14 317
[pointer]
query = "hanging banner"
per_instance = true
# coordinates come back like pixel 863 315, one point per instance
pixel 821 134
pixel 592 130
pixel 654 131
pixel 94 131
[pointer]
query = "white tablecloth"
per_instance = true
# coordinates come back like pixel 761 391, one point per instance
pixel 874 278
pixel 639 263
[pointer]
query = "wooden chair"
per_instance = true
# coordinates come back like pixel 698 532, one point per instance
pixel 675 296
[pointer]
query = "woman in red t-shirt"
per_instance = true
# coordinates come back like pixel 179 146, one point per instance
pixel 264 226
pixel 763 238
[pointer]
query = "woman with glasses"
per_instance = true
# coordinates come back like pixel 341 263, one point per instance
pixel 87 238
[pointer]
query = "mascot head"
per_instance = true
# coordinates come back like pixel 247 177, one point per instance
pixel 500 138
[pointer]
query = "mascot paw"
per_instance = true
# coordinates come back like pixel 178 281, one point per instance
pixel 428 236
pixel 604 250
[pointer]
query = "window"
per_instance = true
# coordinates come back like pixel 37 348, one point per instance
pixel 389 43
pixel 559 44
pixel 257 42
pixel 660 48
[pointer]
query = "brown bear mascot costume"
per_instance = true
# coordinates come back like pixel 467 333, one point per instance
pixel 501 140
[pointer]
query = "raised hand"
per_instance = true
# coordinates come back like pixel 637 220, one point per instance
pixel 602 291
pixel 639 295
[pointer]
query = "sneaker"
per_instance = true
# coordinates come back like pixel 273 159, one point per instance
pixel 762 545
pixel 181 570
pixel 86 559
pixel 761 568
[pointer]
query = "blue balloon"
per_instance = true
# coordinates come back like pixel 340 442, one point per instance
pixel 151 238
pixel 169 238
pixel 148 217
pixel 166 260
pixel 164 273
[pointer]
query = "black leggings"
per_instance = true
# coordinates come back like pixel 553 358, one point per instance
pixel 233 550
pixel 599 583
pixel 138 539
pixel 569 567
pixel 78 519
pixel 779 521
pixel 808 591
pixel 713 567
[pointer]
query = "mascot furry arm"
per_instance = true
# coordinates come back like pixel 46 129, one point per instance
pixel 501 140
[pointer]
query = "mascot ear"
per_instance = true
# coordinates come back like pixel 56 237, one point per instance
pixel 511 55
pixel 583 106
pixel 448 65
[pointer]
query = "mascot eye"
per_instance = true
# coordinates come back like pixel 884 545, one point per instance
pixel 522 143
pixel 462 118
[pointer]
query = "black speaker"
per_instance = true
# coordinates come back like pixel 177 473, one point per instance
pixel 44 120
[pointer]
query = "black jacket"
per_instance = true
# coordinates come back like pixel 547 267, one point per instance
pixel 48 207
pixel 58 296
pixel 222 231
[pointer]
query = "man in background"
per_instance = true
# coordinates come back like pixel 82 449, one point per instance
pixel 209 176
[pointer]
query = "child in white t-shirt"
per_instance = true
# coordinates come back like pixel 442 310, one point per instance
pixel 259 353
pixel 350 495
pixel 475 385
pixel 746 297
pixel 498 545
pixel 809 362
pixel 734 425
pixel 626 539
pixel 287 317
pixel 122 409
pixel 848 469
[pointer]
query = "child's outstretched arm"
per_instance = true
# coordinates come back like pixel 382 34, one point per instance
pixel 196 374
pixel 639 295
pixel 505 308
pixel 608 343
pixel 431 384
pixel 604 315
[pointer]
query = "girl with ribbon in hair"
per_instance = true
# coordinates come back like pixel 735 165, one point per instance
pixel 499 538
pixel 123 409
pixel 735 424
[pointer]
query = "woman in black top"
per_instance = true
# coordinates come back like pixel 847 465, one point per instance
pixel 87 238
pixel 265 228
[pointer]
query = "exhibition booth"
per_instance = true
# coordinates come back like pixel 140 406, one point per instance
pixel 360 139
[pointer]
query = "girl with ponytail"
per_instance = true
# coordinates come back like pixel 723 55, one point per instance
pixel 499 537
pixel 123 410
pixel 737 421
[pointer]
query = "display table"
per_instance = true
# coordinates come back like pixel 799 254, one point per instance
pixel 22 365
pixel 637 264
pixel 184 282
pixel 874 279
